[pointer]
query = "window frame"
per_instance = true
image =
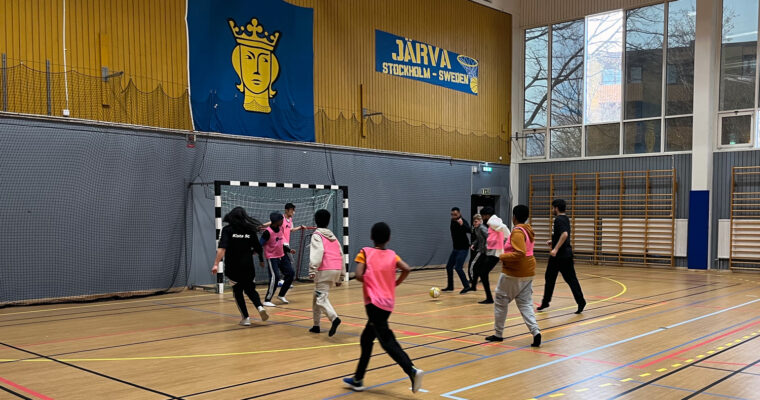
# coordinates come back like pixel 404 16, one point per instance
pixel 621 123
pixel 754 137
pixel 753 123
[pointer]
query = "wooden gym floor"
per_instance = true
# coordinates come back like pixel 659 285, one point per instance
pixel 646 333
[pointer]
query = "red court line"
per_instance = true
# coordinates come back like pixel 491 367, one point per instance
pixel 25 389
pixel 698 345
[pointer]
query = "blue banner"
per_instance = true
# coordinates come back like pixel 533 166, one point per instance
pixel 251 68
pixel 398 56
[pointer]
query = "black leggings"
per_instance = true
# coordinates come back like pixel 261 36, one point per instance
pixel 377 327
pixel 484 267
pixel 250 289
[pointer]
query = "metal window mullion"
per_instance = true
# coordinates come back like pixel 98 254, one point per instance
pixel 549 87
pixel 757 75
pixel 664 78
pixel 624 82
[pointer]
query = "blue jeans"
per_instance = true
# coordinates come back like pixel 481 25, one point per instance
pixel 456 261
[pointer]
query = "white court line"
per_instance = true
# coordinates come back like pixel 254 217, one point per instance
pixel 451 394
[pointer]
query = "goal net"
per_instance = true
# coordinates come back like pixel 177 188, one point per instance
pixel 260 201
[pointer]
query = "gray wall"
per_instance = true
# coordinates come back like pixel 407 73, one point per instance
pixel 721 193
pixel 681 163
pixel 90 209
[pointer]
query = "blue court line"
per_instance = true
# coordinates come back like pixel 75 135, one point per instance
pixel 567 336
pixel 302 326
pixel 559 338
pixel 583 353
pixel 678 388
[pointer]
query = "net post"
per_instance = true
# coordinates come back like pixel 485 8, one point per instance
pixel 220 278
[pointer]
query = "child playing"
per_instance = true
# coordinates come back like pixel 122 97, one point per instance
pixel 237 243
pixel 272 240
pixel 477 250
pixel 326 267
pixel 494 249
pixel 516 279
pixel 376 268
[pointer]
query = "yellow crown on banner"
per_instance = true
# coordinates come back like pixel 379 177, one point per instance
pixel 249 35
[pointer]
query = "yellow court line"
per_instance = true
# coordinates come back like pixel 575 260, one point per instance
pixel 622 292
pixel 101 304
pixel 243 353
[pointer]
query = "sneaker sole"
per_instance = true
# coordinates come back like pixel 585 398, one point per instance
pixel 355 388
pixel 264 315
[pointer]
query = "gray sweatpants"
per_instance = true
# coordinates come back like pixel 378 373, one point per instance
pixel 320 303
pixel 521 291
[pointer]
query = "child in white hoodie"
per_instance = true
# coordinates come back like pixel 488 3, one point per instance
pixel 326 267
pixel 495 248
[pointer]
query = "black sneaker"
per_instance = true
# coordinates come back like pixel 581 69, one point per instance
pixel 465 290
pixel 315 329
pixel 536 341
pixel 447 289
pixel 494 338
pixel 486 301
pixel 334 327
pixel 581 307
pixel 542 307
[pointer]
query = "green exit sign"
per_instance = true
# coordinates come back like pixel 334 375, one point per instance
pixel 486 168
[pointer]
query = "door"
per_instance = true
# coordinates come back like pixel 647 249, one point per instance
pixel 479 201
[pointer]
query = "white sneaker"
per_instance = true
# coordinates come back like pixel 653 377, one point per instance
pixel 283 299
pixel 269 304
pixel 263 313
pixel 245 322
pixel 417 380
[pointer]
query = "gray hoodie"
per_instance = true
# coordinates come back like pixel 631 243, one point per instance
pixel 317 249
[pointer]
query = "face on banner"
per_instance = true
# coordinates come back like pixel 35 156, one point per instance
pixel 256 65
pixel 251 68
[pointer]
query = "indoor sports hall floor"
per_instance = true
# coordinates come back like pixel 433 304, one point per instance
pixel 646 333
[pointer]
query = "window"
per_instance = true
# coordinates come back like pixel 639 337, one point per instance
pixel 635 74
pixel 642 137
pixel 534 145
pixel 620 82
pixel 735 129
pixel 565 142
pixel 602 140
pixel 567 74
pixel 738 72
pixel 737 56
pixel 536 78
pixel 678 133
pixel 603 62
pixel 645 34
pixel 682 33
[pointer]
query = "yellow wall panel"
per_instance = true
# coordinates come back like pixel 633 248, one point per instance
pixel 146 41
pixel 416 116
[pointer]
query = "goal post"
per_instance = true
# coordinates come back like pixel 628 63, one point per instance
pixel 262 198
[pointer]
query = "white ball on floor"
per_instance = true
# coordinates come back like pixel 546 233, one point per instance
pixel 435 292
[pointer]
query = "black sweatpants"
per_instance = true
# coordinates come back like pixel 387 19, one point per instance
pixel 279 266
pixel 482 269
pixel 566 267
pixel 377 327
pixel 250 289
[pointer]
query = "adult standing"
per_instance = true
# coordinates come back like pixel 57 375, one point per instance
pixel 561 259
pixel 459 231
